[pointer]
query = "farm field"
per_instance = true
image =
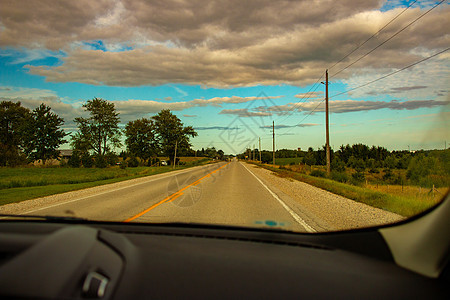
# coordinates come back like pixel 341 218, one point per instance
pixel 23 183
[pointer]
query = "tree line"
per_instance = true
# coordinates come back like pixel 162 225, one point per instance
pixel 423 168
pixel 27 136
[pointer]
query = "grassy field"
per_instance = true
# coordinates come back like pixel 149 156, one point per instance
pixel 403 204
pixel 18 184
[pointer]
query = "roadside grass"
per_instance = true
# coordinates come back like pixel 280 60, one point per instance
pixel 19 184
pixel 405 206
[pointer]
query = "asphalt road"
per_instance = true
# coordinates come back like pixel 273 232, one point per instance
pixel 222 193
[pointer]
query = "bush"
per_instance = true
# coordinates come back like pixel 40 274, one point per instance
pixel 317 173
pixel 357 178
pixel 337 165
pixel 111 158
pixel 133 162
pixel 86 160
pixel 75 160
pixel 387 174
pixel 374 171
pixel 153 161
pixel 339 176
pixel 100 161
pixel 63 163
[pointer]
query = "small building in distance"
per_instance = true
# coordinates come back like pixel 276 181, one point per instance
pixel 65 154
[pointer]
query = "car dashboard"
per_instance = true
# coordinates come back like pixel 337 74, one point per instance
pixel 94 260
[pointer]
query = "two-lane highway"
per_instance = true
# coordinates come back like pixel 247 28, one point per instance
pixel 228 193
pixel 222 193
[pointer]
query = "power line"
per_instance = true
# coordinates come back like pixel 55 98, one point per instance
pixel 390 38
pixel 375 34
pixel 368 83
pixel 306 96
pixel 310 113
pixel 390 74
pixel 316 85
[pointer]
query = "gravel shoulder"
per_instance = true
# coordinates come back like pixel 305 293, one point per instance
pixel 325 210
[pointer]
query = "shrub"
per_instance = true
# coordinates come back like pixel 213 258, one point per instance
pixel 133 162
pixel 75 160
pixel 100 161
pixel 317 173
pixel 152 161
pixel 357 177
pixel 337 165
pixel 339 176
pixel 111 158
pixel 387 174
pixel 374 171
pixel 86 160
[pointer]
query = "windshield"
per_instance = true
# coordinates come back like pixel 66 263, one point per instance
pixel 305 116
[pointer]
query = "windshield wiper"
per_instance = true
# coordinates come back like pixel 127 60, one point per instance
pixel 47 218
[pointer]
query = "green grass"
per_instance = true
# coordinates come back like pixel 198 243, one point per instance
pixel 400 205
pixel 19 184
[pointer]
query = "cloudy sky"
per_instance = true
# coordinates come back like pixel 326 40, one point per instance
pixel 231 68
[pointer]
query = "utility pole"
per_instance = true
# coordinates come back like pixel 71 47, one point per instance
pixel 175 156
pixel 273 140
pixel 327 123
pixel 253 152
pixel 260 150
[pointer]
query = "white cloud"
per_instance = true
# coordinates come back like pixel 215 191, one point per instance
pixel 268 42
pixel 345 106
pixel 243 112
pixel 21 92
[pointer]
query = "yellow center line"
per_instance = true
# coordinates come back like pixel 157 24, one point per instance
pixel 173 196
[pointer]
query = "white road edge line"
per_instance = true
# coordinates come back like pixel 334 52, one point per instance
pixel 286 207
pixel 165 175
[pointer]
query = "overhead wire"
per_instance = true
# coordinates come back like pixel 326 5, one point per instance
pixel 393 73
pixel 375 34
pixel 366 84
pixel 306 96
pixel 385 76
pixel 315 85
pixel 390 38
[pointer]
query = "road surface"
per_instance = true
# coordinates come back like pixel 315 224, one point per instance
pixel 231 193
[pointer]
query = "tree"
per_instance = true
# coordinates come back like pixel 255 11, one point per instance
pixel 141 138
pixel 13 117
pixel 100 131
pixel 310 158
pixel 170 131
pixel 87 160
pixel 211 152
pixel 43 135
pixel 221 154
pixel 75 159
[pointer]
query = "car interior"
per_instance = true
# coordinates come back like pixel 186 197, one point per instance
pixel 80 259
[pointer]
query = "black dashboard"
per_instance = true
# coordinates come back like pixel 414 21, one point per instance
pixel 142 261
